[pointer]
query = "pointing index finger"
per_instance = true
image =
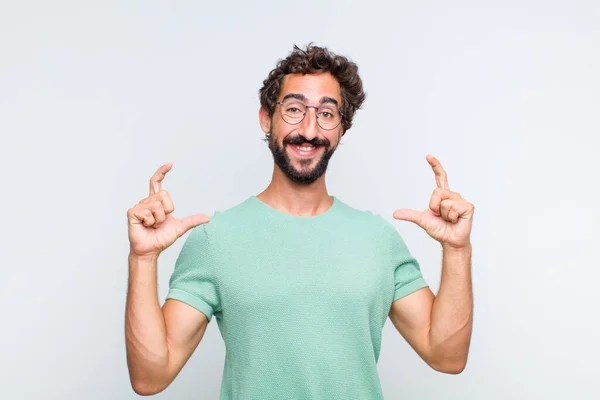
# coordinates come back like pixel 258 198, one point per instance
pixel 441 179
pixel 159 175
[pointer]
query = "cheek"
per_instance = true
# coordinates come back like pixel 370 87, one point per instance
pixel 280 130
pixel 335 138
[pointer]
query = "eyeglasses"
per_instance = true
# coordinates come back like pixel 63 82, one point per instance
pixel 293 112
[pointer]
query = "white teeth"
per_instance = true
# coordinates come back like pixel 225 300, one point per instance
pixel 305 148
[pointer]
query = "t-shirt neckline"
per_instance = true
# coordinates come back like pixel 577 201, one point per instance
pixel 280 214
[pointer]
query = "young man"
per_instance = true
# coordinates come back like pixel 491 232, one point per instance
pixel 300 283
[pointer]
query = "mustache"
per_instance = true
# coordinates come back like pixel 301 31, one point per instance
pixel 300 140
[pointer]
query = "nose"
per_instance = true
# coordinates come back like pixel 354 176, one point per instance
pixel 309 127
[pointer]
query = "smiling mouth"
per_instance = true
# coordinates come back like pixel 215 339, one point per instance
pixel 304 150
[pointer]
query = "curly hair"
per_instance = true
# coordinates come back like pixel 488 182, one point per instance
pixel 311 61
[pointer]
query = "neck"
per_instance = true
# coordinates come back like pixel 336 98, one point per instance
pixel 296 199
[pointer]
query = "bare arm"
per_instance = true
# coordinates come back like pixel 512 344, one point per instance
pixel 159 341
pixel 439 327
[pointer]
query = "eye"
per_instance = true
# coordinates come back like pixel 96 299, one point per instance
pixel 293 110
pixel 326 115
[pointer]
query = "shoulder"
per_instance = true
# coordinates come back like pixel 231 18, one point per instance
pixel 368 219
pixel 382 231
pixel 233 213
pixel 228 220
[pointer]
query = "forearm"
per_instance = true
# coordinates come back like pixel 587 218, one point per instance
pixel 452 311
pixel 145 332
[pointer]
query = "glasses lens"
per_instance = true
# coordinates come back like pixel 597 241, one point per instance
pixel 328 117
pixel 292 111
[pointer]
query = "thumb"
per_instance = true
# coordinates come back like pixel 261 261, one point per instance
pixel 191 222
pixel 405 214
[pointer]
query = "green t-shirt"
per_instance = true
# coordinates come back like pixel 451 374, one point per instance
pixel 300 301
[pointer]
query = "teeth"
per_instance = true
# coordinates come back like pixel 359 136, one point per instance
pixel 303 148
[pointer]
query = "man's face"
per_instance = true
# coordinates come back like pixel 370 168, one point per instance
pixel 302 151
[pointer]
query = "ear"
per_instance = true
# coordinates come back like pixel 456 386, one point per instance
pixel 265 120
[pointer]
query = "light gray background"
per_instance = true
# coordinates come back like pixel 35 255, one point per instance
pixel 95 96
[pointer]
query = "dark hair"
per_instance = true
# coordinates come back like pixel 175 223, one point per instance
pixel 314 60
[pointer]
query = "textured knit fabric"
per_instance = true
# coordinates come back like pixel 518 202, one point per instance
pixel 300 301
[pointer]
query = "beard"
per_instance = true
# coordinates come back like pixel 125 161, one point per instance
pixel 305 175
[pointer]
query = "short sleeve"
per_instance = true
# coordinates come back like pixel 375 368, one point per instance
pixel 194 280
pixel 407 272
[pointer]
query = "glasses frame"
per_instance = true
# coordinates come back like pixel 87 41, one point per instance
pixel 304 115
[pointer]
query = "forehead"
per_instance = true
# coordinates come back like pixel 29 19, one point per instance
pixel 312 86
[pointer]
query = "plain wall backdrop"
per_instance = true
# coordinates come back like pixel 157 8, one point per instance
pixel 95 96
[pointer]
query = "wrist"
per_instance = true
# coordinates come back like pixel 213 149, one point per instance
pixel 143 258
pixel 466 248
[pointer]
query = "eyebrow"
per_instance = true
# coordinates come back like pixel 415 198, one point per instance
pixel 299 96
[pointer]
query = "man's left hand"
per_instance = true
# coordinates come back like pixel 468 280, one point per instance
pixel 449 217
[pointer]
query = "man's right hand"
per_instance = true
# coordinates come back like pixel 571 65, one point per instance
pixel 151 226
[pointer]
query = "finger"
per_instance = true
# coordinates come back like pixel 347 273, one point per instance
pixel 438 196
pixel 464 209
pixel 455 209
pixel 448 212
pixel 166 201
pixel 162 196
pixel 191 222
pixel 144 215
pixel 157 178
pixel 441 179
pixel 159 214
pixel 405 214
